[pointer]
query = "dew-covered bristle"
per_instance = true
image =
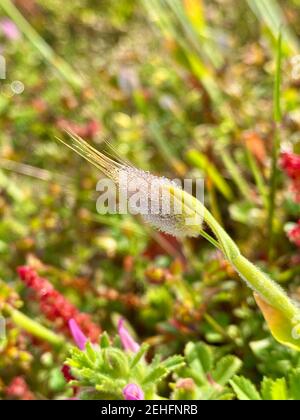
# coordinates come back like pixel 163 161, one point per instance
pixel 155 205
pixel 106 165
pixel 157 200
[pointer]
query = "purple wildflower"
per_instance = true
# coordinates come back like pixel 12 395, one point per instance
pixel 133 392
pixel 126 339
pixel 79 338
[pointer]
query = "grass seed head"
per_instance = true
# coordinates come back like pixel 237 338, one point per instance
pixel 147 195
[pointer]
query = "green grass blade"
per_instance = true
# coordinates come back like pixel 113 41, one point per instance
pixel 270 13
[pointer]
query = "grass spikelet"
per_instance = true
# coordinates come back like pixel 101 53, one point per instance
pixel 147 195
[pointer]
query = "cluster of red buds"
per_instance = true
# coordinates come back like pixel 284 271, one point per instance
pixel 290 163
pixel 55 306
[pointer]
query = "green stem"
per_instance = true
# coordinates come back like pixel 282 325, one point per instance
pixel 267 288
pixel 229 248
pixel 256 279
pixel 273 187
pixel 33 327
pixel 210 239
pixel 276 146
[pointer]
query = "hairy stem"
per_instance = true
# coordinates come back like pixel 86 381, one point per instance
pixel 256 279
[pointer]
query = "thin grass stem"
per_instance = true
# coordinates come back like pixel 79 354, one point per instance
pixel 276 146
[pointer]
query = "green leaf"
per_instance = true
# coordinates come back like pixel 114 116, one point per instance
pixel 244 389
pixel 173 362
pixel 279 390
pixel 92 355
pixel 225 396
pixel 294 384
pixel 201 353
pixel 156 375
pixel 266 389
pixel 225 369
pixel 104 340
pixel 137 357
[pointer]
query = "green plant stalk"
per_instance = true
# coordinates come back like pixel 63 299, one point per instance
pixel 38 42
pixel 267 288
pixel 271 292
pixel 273 187
pixel 209 238
pixel 255 278
pixel 33 327
pixel 276 145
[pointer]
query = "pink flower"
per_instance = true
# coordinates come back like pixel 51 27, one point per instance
pixel 79 338
pixel 133 392
pixel 294 234
pixel 9 29
pixel 126 339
